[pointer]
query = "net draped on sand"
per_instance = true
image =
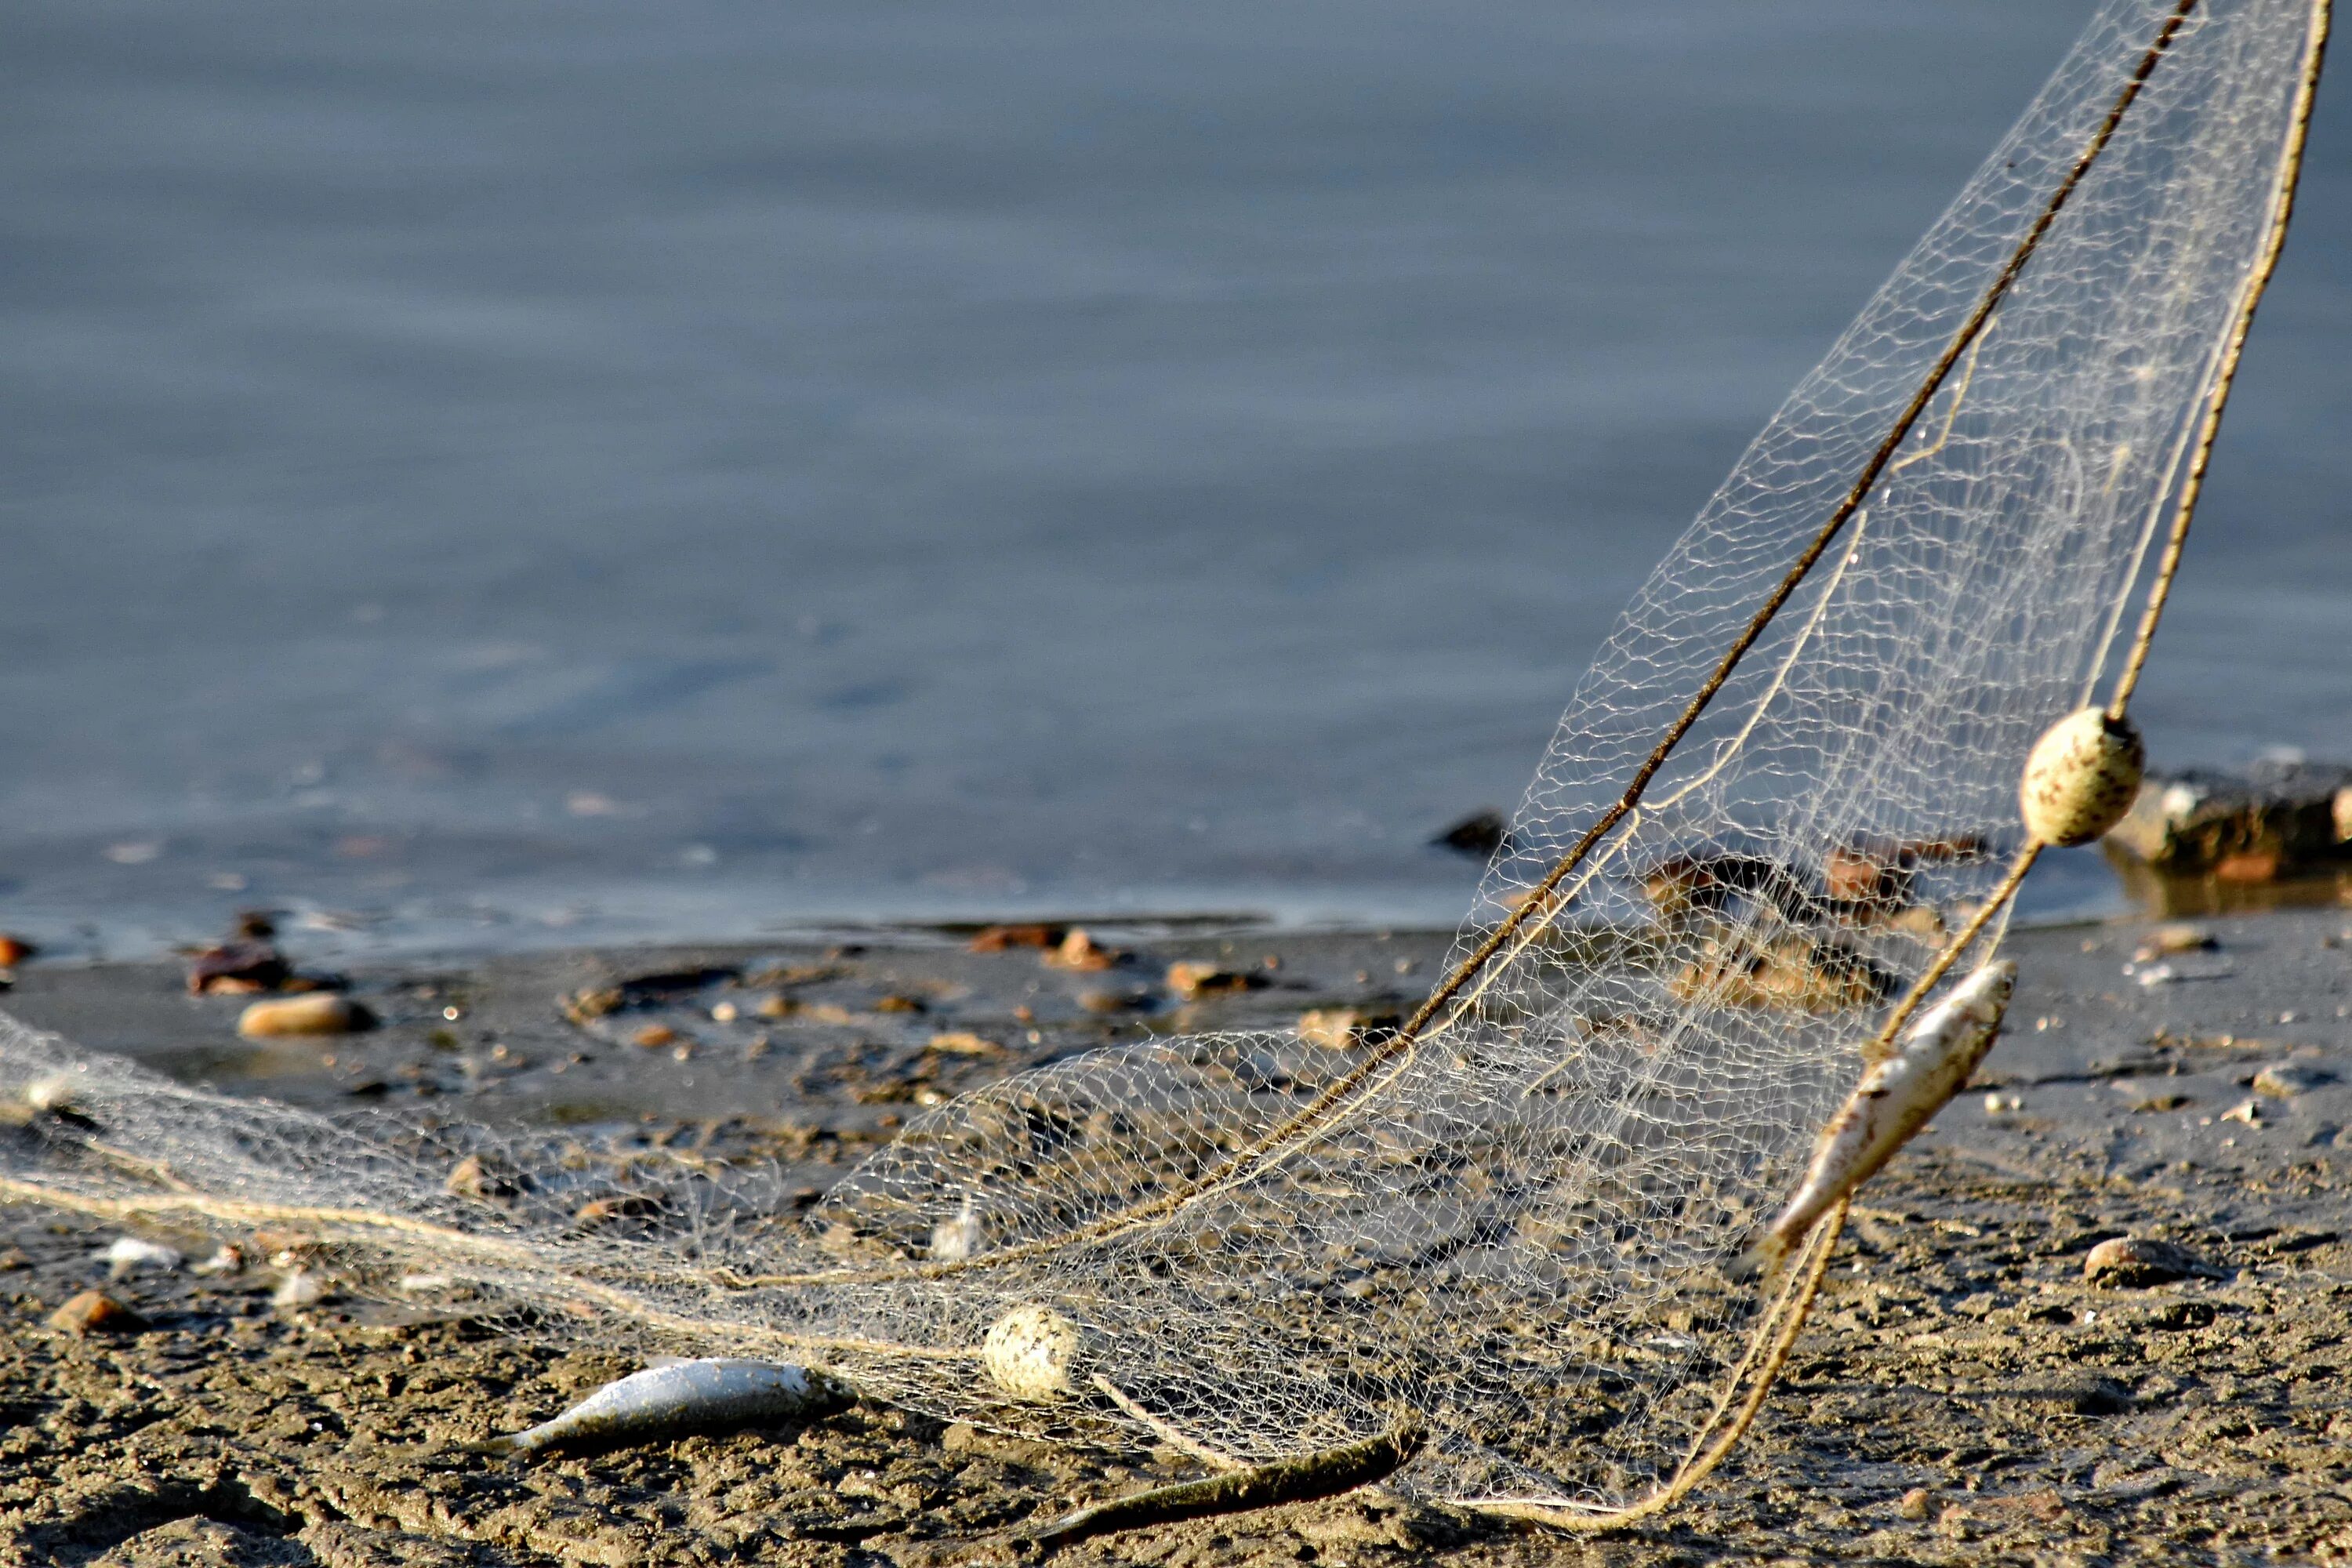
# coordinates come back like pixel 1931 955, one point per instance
pixel 1511 1224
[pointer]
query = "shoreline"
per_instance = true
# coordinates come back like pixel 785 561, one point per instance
pixel 1962 1394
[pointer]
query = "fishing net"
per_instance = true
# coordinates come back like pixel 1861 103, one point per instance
pixel 1513 1222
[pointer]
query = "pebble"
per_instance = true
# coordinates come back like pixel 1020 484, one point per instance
pixel 2285 1080
pixel 2131 1262
pixel 237 969
pixel 1344 1029
pixel 1917 1503
pixel 1080 951
pixel 321 1013
pixel 94 1313
pixel 130 1254
pixel 604 1211
pixel 299 1289
pixel 964 1043
pixel 1004 938
pixel 1191 978
pixel 2248 1111
pixel 654 1037
pixel 725 1013
pixel 488 1180
pixel 15 949
pixel 777 1005
pixel 226 1259
pixel 898 1004
pixel 2167 940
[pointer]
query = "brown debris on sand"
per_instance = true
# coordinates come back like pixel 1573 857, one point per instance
pixel 94 1313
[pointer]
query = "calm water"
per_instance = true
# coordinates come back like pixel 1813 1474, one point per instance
pixel 551 471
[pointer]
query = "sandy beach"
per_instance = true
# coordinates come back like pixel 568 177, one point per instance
pixel 1963 1393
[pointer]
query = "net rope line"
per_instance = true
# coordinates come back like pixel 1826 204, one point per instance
pixel 1399 1049
pixel 1785 1319
pixel 1965 568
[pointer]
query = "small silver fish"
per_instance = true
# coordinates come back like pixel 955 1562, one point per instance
pixel 680 1396
pixel 1895 1099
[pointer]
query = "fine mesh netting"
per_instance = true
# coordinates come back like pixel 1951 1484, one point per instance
pixel 1514 1224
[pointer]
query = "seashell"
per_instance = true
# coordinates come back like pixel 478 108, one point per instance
pixel 128 1254
pixel 2080 777
pixel 1032 1354
pixel 320 1013
pixel 953 1240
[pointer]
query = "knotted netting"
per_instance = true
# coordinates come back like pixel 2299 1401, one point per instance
pixel 1513 1222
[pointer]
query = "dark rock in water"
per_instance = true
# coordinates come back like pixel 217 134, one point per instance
pixel 2273 819
pixel 1481 835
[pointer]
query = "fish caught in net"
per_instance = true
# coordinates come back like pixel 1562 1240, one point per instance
pixel 1780 807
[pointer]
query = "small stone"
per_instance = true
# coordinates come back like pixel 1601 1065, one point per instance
pixel 1344 1029
pixel 725 1013
pixel 1192 979
pixel 895 1004
pixel 1107 999
pixel 94 1313
pixel 15 949
pixel 1080 951
pixel 1999 1104
pixel 777 1005
pixel 237 969
pixel 1917 1504
pixel 321 1013
pixel 606 1211
pixel 52 1095
pixel 485 1180
pixel 593 1001
pixel 2167 940
pixel 1004 938
pixel 299 1289
pixel 654 1037
pixel 2285 1080
pixel 2134 1261
pixel 226 1259
pixel 963 1043
pixel 2248 1111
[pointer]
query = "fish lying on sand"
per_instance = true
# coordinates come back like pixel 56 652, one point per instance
pixel 1895 1097
pixel 681 1397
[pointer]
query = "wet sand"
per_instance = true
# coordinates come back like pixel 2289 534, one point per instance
pixel 1961 1396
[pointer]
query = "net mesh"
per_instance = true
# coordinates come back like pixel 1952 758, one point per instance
pixel 1515 1226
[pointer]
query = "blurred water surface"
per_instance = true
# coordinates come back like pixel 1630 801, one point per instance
pixel 527 472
